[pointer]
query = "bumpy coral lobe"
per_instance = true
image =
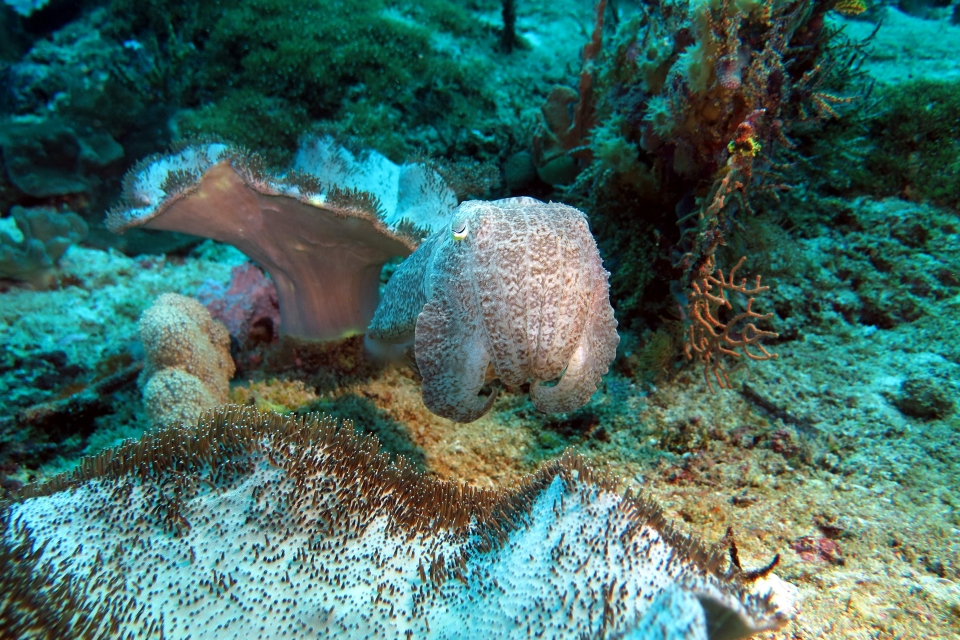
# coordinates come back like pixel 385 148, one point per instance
pixel 516 285
pixel 188 364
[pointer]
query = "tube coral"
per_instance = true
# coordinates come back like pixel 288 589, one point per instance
pixel 322 242
pixel 258 526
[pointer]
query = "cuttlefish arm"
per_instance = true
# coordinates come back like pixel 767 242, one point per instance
pixel 452 356
pixel 591 358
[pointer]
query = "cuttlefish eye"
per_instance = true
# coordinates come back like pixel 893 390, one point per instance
pixel 460 229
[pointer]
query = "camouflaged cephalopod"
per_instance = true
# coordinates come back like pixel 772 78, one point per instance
pixel 515 285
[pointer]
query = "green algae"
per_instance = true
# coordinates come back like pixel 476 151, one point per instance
pixel 270 124
pixel 263 70
pixel 902 141
pixel 917 140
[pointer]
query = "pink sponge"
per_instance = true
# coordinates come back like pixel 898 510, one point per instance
pixel 249 308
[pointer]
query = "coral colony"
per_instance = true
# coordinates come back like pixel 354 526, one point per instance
pixel 323 243
pixel 402 318
pixel 250 525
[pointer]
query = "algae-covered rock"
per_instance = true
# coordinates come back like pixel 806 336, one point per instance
pixel 271 68
pixel 46 157
pixel 42 235
pixel 916 142
pixel 924 398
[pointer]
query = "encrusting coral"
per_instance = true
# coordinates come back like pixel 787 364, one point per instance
pixel 188 364
pixel 515 285
pixel 248 307
pixel 254 525
pixel 322 242
pixel 279 396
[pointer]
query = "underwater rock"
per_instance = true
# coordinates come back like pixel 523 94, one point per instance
pixel 563 129
pixel 323 232
pixel 188 364
pixel 924 398
pixel 519 171
pixel 13 43
pixel 43 235
pixel 28 435
pixel 25 8
pixel 254 524
pixel 46 158
pixel 514 284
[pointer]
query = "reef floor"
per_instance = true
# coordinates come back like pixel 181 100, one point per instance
pixel 842 455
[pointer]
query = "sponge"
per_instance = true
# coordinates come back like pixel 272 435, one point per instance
pixel 188 364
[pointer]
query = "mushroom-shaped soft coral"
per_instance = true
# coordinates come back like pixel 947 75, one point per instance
pixel 323 244
pixel 188 366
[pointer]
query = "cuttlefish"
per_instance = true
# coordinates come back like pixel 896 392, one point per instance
pixel 513 289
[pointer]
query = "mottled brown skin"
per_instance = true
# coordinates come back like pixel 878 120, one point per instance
pixel 517 284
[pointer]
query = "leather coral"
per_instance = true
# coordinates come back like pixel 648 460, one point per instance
pixel 323 231
pixel 248 524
